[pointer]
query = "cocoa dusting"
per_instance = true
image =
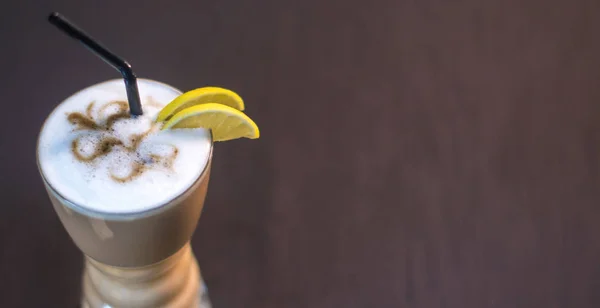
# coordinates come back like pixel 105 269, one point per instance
pixel 122 107
pixel 106 144
pixel 136 170
pixel 88 110
pixel 81 121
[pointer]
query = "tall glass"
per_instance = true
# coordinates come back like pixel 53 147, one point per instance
pixel 139 259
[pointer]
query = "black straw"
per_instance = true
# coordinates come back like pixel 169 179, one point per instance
pixel 133 95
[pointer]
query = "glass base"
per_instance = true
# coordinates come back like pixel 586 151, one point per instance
pixel 204 300
pixel 173 283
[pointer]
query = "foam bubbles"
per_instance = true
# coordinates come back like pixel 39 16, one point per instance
pixel 108 162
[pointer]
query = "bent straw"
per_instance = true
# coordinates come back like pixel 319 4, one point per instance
pixel 133 95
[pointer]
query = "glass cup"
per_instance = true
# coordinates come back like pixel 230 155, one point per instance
pixel 139 259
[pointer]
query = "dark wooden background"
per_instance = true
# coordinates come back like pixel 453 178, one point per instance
pixel 414 153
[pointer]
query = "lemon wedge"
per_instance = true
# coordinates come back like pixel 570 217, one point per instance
pixel 226 123
pixel 201 96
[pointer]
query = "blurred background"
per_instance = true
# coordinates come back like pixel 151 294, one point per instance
pixel 413 153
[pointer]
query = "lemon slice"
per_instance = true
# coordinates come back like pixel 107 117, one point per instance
pixel 225 122
pixel 198 97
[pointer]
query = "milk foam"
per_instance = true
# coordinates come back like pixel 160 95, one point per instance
pixel 101 159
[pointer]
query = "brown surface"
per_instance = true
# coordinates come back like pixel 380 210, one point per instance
pixel 414 153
